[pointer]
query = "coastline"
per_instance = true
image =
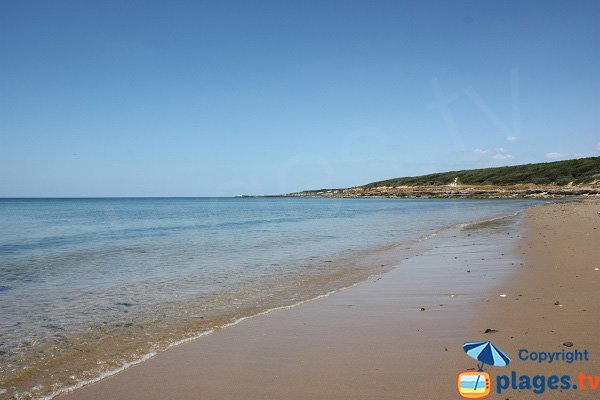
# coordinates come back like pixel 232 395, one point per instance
pixel 460 191
pixel 373 340
pixel 353 343
pixel 374 244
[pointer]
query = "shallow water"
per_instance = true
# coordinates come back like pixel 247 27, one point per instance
pixel 87 285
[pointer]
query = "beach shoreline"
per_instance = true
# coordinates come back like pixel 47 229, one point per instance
pixel 128 330
pixel 252 360
pixel 361 342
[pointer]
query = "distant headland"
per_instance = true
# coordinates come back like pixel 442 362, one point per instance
pixel 578 177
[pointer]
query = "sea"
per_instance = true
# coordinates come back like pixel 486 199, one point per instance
pixel 89 287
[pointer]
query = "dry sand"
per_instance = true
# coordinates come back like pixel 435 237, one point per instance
pixel 561 263
pixel 374 342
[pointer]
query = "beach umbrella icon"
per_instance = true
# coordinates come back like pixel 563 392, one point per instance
pixel 486 353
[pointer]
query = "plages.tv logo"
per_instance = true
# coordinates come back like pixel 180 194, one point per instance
pixel 478 384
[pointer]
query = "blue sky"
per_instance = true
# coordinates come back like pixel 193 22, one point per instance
pixel 177 98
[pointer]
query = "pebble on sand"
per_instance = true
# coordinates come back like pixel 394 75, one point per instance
pixel 568 344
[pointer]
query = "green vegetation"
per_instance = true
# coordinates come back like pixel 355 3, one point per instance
pixel 582 170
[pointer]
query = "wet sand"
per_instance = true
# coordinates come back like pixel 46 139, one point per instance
pixel 374 341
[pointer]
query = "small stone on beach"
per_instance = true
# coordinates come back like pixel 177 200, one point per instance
pixel 568 344
pixel 488 330
pixel 422 308
pixel 557 303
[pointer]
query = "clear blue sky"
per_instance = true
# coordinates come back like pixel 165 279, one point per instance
pixel 178 98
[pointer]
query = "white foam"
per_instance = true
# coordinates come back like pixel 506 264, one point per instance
pixel 427 237
pixel 189 339
pixel 78 385
pixel 237 321
pixel 480 221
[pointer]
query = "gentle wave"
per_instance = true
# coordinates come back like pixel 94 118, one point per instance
pixel 107 374
pixel 237 321
pixel 128 281
pixel 150 355
pixel 487 222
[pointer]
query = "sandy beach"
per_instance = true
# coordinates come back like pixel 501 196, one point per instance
pixel 553 297
pixel 316 200
pixel 399 335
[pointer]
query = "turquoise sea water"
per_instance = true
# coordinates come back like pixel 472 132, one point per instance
pixel 87 285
